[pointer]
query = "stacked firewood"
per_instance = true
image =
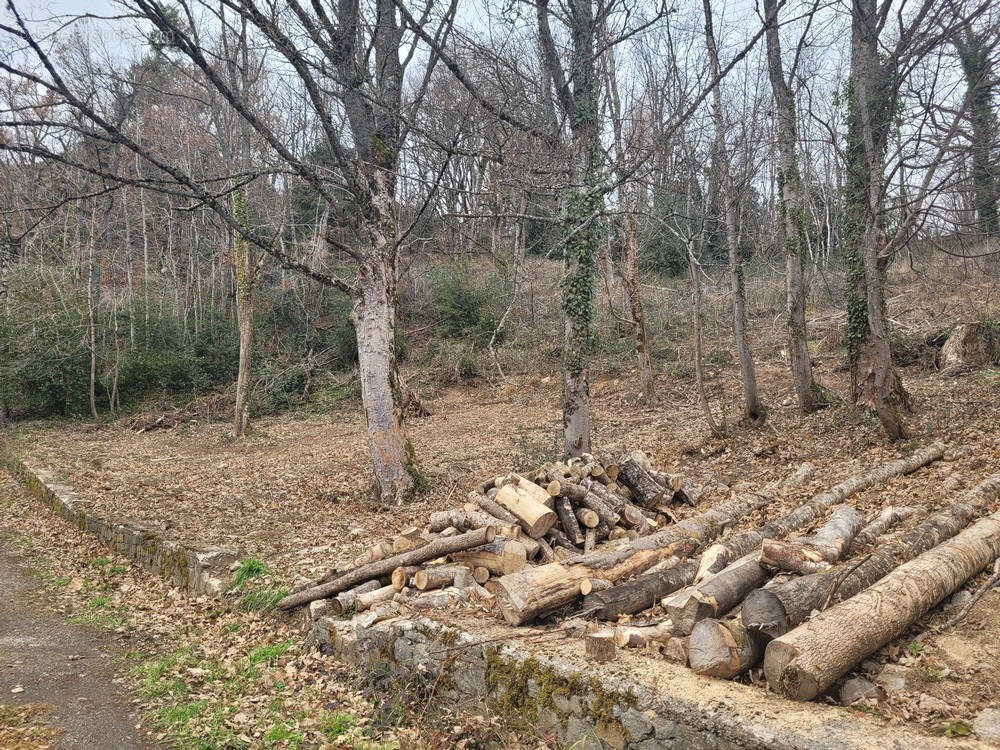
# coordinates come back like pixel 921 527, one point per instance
pixel 555 513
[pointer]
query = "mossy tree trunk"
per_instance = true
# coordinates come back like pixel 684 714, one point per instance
pixel 974 52
pixel 791 219
pixel 577 96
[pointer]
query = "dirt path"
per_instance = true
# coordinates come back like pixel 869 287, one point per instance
pixel 68 668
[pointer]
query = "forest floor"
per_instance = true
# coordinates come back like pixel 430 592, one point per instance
pixel 296 493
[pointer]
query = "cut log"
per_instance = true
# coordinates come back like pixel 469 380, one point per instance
pixel 817 552
pixel 434 578
pixel 806 661
pixel 536 591
pixel 535 517
pixel 568 520
pixel 808 513
pixel 591 585
pixel 401 577
pixel 639 594
pixel 437 548
pixel 538 494
pixel 480 574
pixel 470 519
pixel 499 556
pixel 344 601
pixel 545 551
pixel 557 539
pixel 410 538
pixel 369 598
pixel 724 648
pixel 633 636
pixel 442 599
pixel 644 488
pixel 589 539
pixel 715 596
pixel 582 496
pixel 777 609
pixel 612 500
pixel 587 517
pixel 600 646
pixel 889 517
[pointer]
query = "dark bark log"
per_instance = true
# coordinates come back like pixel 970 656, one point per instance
pixel 644 488
pixel 582 496
pixel 639 594
pixel 885 520
pixel 568 520
pixel 437 548
pixel 806 661
pixel 776 610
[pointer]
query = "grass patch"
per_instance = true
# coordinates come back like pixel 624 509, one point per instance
pixel 282 736
pixel 271 653
pixel 248 570
pixel 336 724
pixel 262 599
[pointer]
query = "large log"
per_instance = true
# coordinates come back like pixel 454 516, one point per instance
pixel 719 556
pixel 437 548
pixel 638 594
pixel 534 592
pixel 806 661
pixel 724 648
pixel 817 552
pixel 499 557
pixel 714 596
pixel 777 609
pixel 568 520
pixel 534 516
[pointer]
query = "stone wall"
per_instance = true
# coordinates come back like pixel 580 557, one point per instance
pixel 586 708
pixel 198 569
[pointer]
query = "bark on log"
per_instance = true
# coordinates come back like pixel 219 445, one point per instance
pixel 637 636
pixel 437 548
pixel 344 601
pixel 600 646
pixel 715 596
pixel 434 578
pixel 534 592
pixel 724 648
pixel 889 517
pixel 410 538
pixel 499 556
pixel 557 539
pixel 582 496
pixel 638 594
pixel 718 556
pixel 587 517
pixel 535 517
pixel 817 552
pixel 470 519
pixel 401 576
pixel 568 520
pixel 806 661
pixel 536 493
pixel 369 598
pixel 777 609
pixel 645 489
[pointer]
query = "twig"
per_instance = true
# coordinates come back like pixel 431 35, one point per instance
pixel 836 586
pixel 993 579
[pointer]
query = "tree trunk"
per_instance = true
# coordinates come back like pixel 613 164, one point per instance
pixel 437 548
pixel 805 662
pixel 245 294
pixel 699 370
pixel 93 292
pixel 792 220
pixel 718 556
pixel 721 160
pixel 777 609
pixel 537 591
pixel 373 312
pixel 644 364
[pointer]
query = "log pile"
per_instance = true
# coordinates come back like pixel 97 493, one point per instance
pixel 588 507
pixel 807 594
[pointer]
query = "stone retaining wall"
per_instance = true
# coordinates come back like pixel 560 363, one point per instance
pixel 198 569
pixel 588 709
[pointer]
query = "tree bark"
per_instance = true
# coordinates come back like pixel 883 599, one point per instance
pixel 777 609
pixel 639 594
pixel 886 519
pixel 751 399
pixel 817 552
pixel 645 489
pixel 373 312
pixel 792 219
pixel 715 596
pixel 805 662
pixel 718 556
pixel 246 282
pixel 724 648
pixel 437 548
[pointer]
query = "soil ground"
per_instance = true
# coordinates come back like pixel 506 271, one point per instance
pixel 296 492
pixel 67 671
